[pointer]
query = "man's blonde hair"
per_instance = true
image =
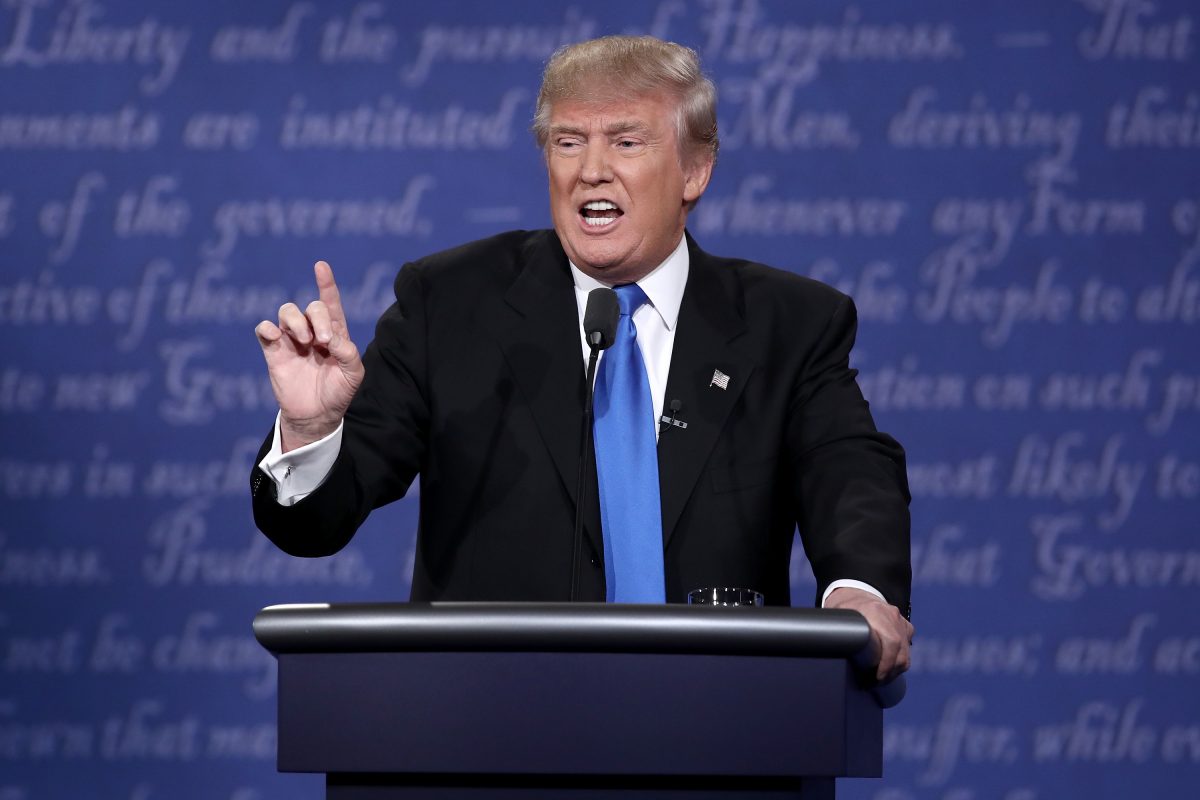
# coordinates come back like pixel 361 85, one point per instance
pixel 615 67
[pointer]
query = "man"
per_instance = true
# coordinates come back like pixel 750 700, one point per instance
pixel 475 381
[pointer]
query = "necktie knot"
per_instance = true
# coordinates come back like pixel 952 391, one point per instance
pixel 630 297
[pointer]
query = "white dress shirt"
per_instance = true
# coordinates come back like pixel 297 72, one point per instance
pixel 655 321
pixel 299 472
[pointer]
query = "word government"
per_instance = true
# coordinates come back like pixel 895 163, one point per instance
pixel 1066 571
pixel 123 130
pixel 195 393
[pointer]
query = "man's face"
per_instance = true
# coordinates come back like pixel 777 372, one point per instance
pixel 619 185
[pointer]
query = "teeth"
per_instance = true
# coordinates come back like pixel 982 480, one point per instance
pixel 600 205
pixel 599 222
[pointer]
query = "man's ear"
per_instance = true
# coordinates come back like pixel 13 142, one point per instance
pixel 695 178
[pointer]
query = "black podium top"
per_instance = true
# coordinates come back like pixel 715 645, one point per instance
pixel 563 627
pixel 571 627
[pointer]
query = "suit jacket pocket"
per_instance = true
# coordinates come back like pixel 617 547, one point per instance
pixel 743 476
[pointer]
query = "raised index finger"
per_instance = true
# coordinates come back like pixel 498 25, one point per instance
pixel 328 291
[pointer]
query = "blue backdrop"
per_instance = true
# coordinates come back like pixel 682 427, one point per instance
pixel 1010 190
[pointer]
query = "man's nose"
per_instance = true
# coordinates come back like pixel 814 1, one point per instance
pixel 596 168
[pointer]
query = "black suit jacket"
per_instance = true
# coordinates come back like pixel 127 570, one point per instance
pixel 475 381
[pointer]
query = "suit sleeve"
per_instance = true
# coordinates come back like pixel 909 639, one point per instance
pixel 849 481
pixel 384 441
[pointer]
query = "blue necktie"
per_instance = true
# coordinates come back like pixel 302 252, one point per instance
pixel 627 465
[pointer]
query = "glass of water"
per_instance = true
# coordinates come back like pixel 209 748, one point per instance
pixel 724 596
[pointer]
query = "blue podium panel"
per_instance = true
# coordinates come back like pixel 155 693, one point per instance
pixel 591 714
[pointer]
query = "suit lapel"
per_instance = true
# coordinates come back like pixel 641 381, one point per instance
pixel 709 338
pixel 538 330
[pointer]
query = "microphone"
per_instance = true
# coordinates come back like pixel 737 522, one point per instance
pixel 600 318
pixel 675 406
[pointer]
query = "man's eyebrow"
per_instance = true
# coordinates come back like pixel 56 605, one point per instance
pixel 559 130
pixel 611 129
pixel 626 126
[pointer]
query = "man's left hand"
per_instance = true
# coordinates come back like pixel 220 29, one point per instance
pixel 888 627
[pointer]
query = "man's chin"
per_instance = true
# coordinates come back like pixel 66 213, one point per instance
pixel 598 261
pixel 607 260
pixel 611 272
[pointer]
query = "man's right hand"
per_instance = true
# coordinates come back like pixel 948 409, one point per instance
pixel 314 367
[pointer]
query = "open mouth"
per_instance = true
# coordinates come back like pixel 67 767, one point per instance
pixel 599 213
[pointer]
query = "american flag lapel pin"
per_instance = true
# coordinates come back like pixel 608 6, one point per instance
pixel 719 380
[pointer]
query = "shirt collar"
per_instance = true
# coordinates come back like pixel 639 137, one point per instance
pixel 663 285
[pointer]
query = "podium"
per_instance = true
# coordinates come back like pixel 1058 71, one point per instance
pixel 484 700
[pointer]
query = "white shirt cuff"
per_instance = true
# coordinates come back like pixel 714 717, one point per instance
pixel 850 584
pixel 297 473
